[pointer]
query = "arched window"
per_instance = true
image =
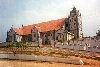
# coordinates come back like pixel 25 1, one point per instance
pixel 57 38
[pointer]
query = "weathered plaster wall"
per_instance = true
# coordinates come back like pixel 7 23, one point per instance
pixel 60 34
pixel 11 35
pixel 87 44
pixel 34 35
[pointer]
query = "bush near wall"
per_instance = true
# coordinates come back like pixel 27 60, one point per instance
pixel 61 41
pixel 16 44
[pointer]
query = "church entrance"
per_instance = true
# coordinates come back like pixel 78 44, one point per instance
pixel 46 39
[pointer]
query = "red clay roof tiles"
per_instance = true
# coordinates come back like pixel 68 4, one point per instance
pixel 42 27
pixel 50 25
pixel 25 30
pixel 18 31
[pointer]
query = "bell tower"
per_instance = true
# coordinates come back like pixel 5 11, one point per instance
pixel 75 23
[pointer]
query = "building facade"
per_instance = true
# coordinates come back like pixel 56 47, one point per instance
pixel 74 23
pixel 63 29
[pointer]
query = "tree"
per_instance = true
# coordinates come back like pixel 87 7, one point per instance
pixel 98 33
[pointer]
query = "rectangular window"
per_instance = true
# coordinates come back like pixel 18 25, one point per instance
pixel 70 20
pixel 94 46
pixel 74 19
pixel 66 25
pixel 34 34
pixel 57 38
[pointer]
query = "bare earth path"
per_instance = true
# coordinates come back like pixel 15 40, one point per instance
pixel 20 63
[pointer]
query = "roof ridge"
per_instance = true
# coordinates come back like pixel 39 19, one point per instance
pixel 50 20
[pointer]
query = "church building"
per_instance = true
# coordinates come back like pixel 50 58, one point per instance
pixel 63 29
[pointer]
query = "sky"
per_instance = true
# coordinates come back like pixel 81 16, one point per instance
pixel 26 12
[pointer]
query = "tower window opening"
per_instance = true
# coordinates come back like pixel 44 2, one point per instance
pixel 70 20
pixel 74 23
pixel 66 25
pixel 74 19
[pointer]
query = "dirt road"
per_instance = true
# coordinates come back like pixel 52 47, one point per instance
pixel 20 63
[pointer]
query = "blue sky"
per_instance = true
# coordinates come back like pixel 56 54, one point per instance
pixel 26 12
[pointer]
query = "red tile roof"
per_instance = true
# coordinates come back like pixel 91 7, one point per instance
pixel 18 31
pixel 42 27
pixel 51 25
pixel 25 30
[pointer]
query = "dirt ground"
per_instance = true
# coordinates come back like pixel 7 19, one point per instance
pixel 89 62
pixel 21 63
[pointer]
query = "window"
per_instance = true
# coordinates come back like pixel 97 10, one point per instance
pixel 70 20
pixel 51 34
pixel 45 35
pixel 74 23
pixel 57 38
pixel 66 25
pixel 74 19
pixel 34 34
pixel 94 46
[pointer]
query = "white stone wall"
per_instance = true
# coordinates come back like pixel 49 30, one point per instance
pixel 18 38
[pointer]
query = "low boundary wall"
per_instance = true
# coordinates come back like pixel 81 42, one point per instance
pixel 78 47
pixel 40 58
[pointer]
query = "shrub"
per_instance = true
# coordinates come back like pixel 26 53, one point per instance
pixel 9 45
pixel 18 44
pixel 61 41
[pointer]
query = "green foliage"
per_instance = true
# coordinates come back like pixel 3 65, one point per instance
pixel 25 45
pixel 16 44
pixel 61 41
pixel 9 45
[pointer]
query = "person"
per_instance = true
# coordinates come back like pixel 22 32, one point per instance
pixel 14 52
